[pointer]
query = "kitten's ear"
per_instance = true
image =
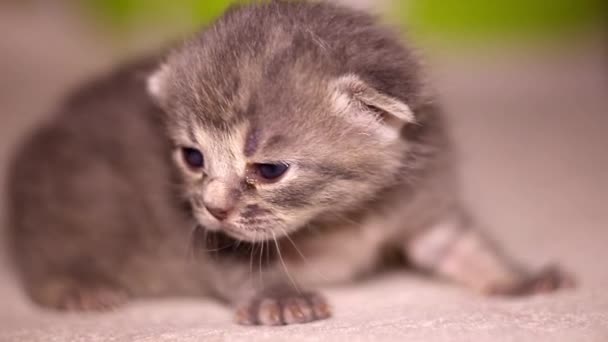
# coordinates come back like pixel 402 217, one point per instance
pixel 156 83
pixel 370 107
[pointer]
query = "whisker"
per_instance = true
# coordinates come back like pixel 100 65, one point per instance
pixel 274 238
pixel 302 255
pixel 260 275
pixel 190 255
pixel 214 237
pixel 268 253
pixel 251 265
pixel 218 249
pixel 348 220
pixel 205 239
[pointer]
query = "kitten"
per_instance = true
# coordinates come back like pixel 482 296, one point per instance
pixel 289 145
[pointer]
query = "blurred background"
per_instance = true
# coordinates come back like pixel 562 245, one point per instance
pixel 524 84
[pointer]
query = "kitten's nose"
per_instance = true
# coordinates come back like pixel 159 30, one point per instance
pixel 219 213
pixel 219 199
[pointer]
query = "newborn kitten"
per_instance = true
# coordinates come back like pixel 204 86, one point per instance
pixel 293 142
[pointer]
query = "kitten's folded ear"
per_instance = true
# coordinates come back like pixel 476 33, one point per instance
pixel 366 106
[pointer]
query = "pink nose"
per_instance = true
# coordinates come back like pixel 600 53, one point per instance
pixel 219 213
pixel 219 198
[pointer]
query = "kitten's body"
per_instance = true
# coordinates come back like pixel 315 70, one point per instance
pixel 94 192
pixel 100 214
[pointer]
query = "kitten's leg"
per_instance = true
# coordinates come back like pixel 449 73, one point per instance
pixel 70 272
pixel 454 249
pixel 282 306
pixel 264 287
pixel 73 294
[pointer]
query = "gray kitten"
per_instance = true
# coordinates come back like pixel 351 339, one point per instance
pixel 287 146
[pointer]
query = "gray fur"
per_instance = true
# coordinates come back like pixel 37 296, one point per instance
pixel 100 211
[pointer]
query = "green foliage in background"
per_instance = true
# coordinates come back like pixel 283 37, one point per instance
pixel 438 19
pixel 501 18
pixel 125 13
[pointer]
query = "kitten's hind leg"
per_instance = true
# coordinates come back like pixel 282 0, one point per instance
pixel 72 293
pixel 454 249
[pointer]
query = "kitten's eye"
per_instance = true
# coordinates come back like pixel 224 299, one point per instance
pixel 272 172
pixel 193 158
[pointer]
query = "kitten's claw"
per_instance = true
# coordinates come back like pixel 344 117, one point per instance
pixel 547 280
pixel 293 308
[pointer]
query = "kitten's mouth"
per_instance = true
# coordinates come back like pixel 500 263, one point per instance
pixel 247 229
pixel 251 234
pixel 240 234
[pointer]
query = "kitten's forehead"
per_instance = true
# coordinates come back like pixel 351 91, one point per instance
pixel 252 141
pixel 225 148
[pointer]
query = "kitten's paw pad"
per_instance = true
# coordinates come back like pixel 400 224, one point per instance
pixel 548 280
pixel 284 309
pixel 92 299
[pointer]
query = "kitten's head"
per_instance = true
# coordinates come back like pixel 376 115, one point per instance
pixel 272 134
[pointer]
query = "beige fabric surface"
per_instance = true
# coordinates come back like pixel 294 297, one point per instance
pixel 532 131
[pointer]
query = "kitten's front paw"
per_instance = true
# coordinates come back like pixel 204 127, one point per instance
pixel 547 280
pixel 283 308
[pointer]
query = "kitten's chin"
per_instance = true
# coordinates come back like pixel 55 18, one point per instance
pixel 237 233
pixel 242 233
pixel 253 235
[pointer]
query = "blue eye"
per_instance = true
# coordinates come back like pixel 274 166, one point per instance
pixel 193 158
pixel 272 172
